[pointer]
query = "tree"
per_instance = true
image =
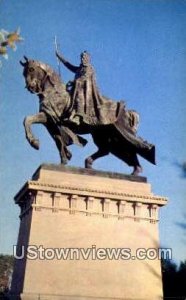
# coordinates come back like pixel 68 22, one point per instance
pixel 6 269
pixel 174 279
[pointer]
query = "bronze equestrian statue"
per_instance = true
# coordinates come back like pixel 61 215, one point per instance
pixel 76 108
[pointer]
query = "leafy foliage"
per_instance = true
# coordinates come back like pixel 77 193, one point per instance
pixel 6 268
pixel 174 280
pixel 8 40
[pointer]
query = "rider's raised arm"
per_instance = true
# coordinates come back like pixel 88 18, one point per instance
pixel 66 63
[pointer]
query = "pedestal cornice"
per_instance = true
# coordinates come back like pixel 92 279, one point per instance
pixel 113 195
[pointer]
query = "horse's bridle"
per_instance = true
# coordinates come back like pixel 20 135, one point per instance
pixel 41 82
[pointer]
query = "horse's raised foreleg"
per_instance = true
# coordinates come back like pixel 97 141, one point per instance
pixel 100 153
pixel 28 121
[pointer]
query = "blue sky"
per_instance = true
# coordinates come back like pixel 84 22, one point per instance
pixel 138 50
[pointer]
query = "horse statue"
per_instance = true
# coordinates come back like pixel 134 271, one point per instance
pixel 116 135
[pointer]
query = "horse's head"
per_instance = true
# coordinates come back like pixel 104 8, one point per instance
pixel 38 76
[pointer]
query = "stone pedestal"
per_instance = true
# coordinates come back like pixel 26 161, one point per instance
pixel 87 216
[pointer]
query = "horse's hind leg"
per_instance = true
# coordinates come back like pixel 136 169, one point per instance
pixel 137 170
pixel 100 153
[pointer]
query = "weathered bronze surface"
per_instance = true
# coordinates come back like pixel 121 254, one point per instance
pixel 67 111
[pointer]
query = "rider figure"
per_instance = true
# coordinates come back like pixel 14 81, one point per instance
pixel 87 103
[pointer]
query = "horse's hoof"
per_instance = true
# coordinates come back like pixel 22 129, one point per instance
pixel 137 170
pixel 35 144
pixel 88 163
pixel 64 162
pixel 69 155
